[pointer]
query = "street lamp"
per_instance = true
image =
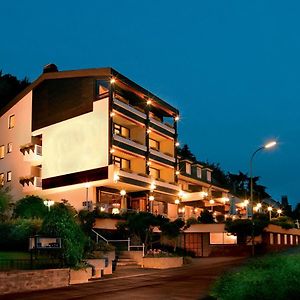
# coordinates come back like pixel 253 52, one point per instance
pixel 279 211
pixel 270 211
pixel 266 146
pixel 48 203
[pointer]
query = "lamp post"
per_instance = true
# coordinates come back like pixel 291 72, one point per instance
pixel 48 203
pixel 267 146
pixel 270 211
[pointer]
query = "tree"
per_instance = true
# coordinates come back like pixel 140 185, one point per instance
pixel 185 153
pixel 60 222
pixel 30 207
pixel 206 217
pixel 171 230
pixel 5 200
pixel 10 87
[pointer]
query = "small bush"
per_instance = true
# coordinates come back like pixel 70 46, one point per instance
pixel 30 207
pixel 60 222
pixel 284 222
pixel 271 277
pixel 206 217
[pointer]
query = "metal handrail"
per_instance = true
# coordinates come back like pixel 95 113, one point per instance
pixel 99 235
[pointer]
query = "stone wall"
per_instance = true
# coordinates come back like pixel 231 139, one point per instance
pixel 22 281
pixel 162 262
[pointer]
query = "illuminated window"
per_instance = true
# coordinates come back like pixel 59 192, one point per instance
pixel 121 130
pixel 2 150
pixel 9 147
pixel 222 238
pixel 188 168
pixel 122 163
pixel 208 176
pixel 8 176
pixel 271 239
pixel 285 239
pixel 154 144
pixel 11 121
pixel 155 173
pixel 296 239
pixel 278 239
pixel 1 179
pixel 102 89
pixel 199 172
pixel 291 240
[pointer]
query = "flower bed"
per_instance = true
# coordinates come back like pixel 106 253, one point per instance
pixel 157 259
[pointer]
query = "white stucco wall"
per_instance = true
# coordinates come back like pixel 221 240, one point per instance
pixel 19 135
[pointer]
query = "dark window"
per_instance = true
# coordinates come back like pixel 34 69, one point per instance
pixel 102 89
pixel 121 131
pixel 11 121
pixel 154 144
pixel 122 163
pixel 155 173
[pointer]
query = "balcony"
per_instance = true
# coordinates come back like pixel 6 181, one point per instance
pixel 162 157
pixel 31 183
pixel 129 145
pixel 129 111
pixel 32 153
pixel 162 128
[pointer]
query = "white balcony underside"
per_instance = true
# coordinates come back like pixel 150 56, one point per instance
pixel 130 108
pixel 129 142
pixel 162 155
pixel 162 125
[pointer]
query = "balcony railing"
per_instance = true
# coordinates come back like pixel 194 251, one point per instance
pixel 32 153
pixel 31 183
pixel 162 155
pixel 129 108
pixel 120 139
pixel 163 126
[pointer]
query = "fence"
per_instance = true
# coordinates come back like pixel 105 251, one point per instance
pixel 120 244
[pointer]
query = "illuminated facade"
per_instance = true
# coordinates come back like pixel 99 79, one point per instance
pixel 95 138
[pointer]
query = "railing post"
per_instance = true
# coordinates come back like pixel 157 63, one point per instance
pixel 128 244
pixel 143 249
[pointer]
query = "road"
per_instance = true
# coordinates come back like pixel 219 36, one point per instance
pixel 189 282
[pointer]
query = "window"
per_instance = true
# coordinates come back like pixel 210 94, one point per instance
pixel 9 147
pixel 154 144
pixel 291 240
pixel 296 239
pixel 222 238
pixel 188 168
pixel 2 150
pixel 278 239
pixel 102 89
pixel 8 176
pixel 121 130
pixel 122 163
pixel 208 176
pixel 199 172
pixel 285 239
pixel 271 239
pixel 1 179
pixel 11 121
pixel 155 173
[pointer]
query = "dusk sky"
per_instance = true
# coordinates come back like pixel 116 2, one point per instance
pixel 232 68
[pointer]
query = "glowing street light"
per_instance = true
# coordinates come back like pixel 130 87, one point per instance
pixel 270 208
pixel 279 211
pixel 266 146
pixel 48 203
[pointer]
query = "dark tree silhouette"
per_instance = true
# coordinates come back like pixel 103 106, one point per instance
pixel 10 87
pixel 185 153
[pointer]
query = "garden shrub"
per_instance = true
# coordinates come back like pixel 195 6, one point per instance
pixel 284 222
pixel 271 277
pixel 206 217
pixel 5 200
pixel 30 207
pixel 60 222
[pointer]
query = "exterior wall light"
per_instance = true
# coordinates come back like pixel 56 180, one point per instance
pixel 148 163
pixel 177 173
pixel 177 144
pixel 112 81
pixel 122 192
pixel 148 131
pixel 176 118
pixel 151 198
pixel 112 150
pixel 48 203
pixel 116 177
pixel 112 114
pixel 177 201
pixel 152 186
pixel 149 102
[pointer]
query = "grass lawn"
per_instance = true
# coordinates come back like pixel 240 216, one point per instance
pixel 274 277
pixel 14 255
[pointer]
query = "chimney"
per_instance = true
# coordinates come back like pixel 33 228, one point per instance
pixel 50 68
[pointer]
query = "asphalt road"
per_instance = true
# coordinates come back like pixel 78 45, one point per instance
pixel 189 282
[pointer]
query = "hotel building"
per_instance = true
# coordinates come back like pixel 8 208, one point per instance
pixel 96 138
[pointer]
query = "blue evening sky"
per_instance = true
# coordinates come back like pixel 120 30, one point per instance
pixel 230 67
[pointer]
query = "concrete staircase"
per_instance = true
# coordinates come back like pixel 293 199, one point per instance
pixel 125 261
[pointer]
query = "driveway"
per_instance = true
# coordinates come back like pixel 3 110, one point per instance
pixel 189 282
